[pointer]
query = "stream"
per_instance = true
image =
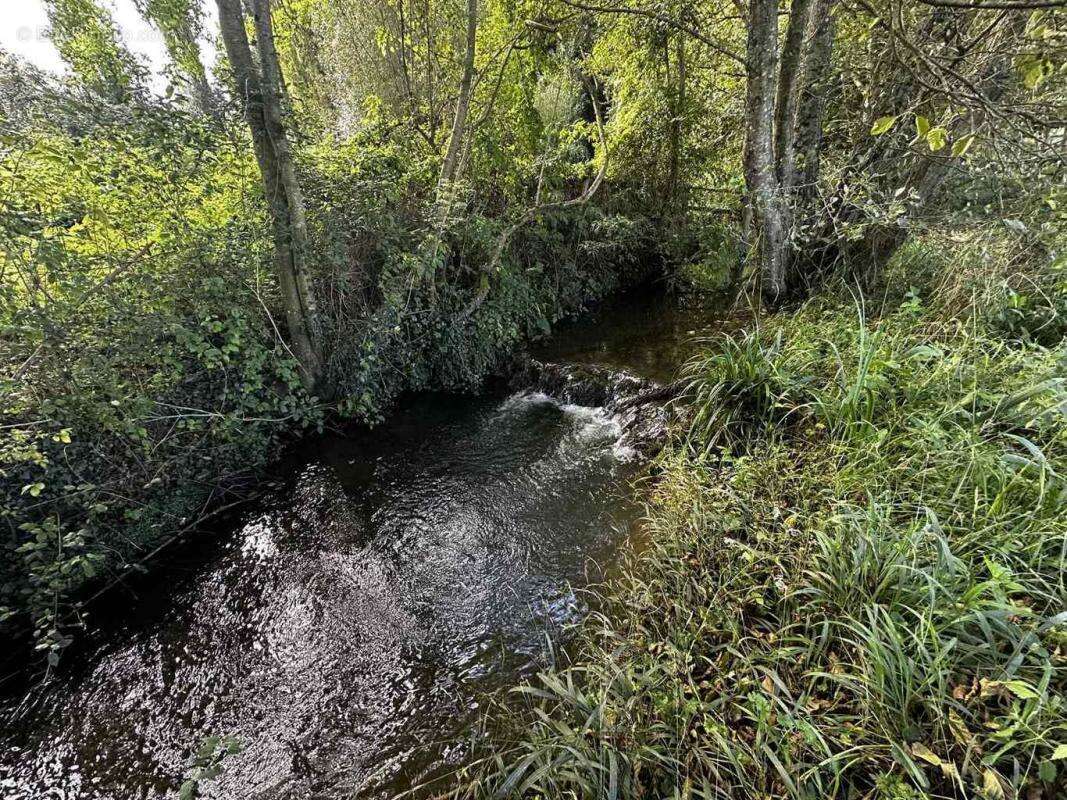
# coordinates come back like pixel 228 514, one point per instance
pixel 349 627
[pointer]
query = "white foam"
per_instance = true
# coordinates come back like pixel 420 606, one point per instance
pixel 582 412
pixel 623 452
pixel 593 423
pixel 526 398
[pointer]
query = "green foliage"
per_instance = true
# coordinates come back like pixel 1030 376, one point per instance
pixel 852 586
pixel 146 376
pixel 738 389
pixel 181 24
pixel 206 764
pixel 703 258
pixel 1032 316
pixel 87 39
pixel 141 375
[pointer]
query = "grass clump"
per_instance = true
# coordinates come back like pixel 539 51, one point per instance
pixel 854 585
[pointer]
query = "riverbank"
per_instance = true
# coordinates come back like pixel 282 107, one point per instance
pixel 164 430
pixel 854 581
pixel 343 631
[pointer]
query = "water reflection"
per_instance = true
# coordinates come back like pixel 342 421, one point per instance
pixel 352 621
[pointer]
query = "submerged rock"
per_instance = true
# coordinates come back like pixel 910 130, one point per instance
pixel 639 405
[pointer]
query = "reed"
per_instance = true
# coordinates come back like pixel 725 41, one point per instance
pixel 855 582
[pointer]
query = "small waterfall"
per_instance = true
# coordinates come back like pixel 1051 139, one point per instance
pixel 636 404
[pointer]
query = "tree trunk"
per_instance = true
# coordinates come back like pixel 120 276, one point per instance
pixel 450 166
pixel 260 96
pixel 790 82
pixel 768 237
pixel 812 110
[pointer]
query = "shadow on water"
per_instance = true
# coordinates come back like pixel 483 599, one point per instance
pixel 646 332
pixel 347 629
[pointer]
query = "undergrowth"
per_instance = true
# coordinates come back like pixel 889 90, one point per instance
pixel 144 377
pixel 854 579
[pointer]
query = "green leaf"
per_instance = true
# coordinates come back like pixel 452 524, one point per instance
pixel 922 126
pixel 962 145
pixel 882 124
pixel 1047 771
pixel 937 138
pixel 1022 690
pixel 1035 70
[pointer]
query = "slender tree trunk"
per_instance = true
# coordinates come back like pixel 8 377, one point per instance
pixel 450 166
pixel 813 108
pixel 277 102
pixel 790 82
pixel 767 235
pixel 260 96
pixel 273 95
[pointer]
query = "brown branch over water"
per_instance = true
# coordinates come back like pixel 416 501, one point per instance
pixel 543 208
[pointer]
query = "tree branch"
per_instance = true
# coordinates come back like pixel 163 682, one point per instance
pixel 533 213
pixel 666 20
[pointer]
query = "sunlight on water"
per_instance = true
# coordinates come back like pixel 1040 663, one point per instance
pixel 355 619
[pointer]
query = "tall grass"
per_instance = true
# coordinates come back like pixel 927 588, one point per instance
pixel 854 585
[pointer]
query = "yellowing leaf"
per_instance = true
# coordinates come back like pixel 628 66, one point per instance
pixel 882 124
pixel 936 138
pixel 962 145
pixel 1060 752
pixel 991 785
pixel 926 754
pixel 922 126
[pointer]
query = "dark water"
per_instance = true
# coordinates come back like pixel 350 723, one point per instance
pixel 645 332
pixel 347 630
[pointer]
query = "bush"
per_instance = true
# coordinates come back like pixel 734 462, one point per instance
pixel 146 378
pixel 704 259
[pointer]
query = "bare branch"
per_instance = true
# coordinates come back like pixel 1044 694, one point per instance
pixel 1000 5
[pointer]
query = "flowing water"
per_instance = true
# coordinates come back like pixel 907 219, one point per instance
pixel 348 630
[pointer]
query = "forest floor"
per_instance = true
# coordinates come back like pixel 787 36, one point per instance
pixel 854 579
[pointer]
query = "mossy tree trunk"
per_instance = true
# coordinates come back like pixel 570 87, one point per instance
pixel 783 125
pixel 259 89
